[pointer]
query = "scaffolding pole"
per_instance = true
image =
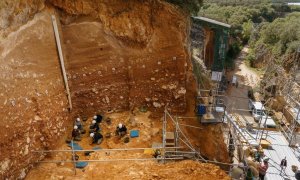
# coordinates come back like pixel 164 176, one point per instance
pixel 164 134
pixel 176 133
pixel 108 160
pixel 186 140
pixel 95 150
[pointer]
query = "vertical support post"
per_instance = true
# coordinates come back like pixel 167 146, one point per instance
pixel 176 134
pixel 73 157
pixel 294 126
pixel 262 133
pixel 61 58
pixel 259 122
pixel 164 134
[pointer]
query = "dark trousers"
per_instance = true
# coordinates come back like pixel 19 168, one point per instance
pixel 261 176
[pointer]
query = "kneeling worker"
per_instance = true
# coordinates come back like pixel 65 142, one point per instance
pixel 97 138
pixel 76 134
pixel 94 127
pixel 78 124
pixel 98 118
pixel 121 130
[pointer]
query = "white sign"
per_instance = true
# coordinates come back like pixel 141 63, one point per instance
pixel 216 76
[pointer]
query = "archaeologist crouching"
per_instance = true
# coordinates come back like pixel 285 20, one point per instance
pixel 78 124
pixel 96 138
pixel 98 118
pixel 121 130
pixel 76 134
pixel 94 127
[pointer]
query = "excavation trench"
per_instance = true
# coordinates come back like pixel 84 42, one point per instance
pixel 117 60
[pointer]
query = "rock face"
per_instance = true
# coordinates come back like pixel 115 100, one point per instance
pixel 17 12
pixel 118 55
pixel 32 97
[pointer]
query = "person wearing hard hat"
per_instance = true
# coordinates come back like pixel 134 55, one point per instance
pixel 121 129
pixel 263 167
pixel 94 127
pixel 96 137
pixel 76 134
pixel 78 123
pixel 98 118
pixel 237 172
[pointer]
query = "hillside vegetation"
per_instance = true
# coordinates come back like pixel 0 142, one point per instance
pixel 279 39
pixel 244 19
pixel 191 6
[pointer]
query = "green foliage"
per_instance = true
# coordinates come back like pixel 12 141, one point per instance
pixel 237 2
pixel 295 8
pixel 251 58
pixel 237 16
pixel 247 30
pixel 280 37
pixel 233 52
pixel 243 20
pixel 192 6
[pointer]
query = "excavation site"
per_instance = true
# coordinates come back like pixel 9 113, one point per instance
pixel 96 89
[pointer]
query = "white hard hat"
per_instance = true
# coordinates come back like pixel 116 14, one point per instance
pixel 78 119
pixel 92 135
pixel 75 127
pixel 296 145
pixel 120 125
pixel 94 122
pixel 95 117
pixel 241 165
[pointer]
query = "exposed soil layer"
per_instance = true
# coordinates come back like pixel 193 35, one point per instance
pixel 135 170
pixel 125 54
pixel 33 103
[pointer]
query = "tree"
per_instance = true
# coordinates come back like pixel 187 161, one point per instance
pixel 247 30
pixel 192 6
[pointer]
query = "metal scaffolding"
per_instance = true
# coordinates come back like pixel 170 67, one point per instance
pixel 278 83
pixel 171 126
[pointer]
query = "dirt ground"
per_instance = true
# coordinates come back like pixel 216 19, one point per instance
pixel 149 126
pixel 248 76
pixel 237 97
pixel 205 138
pixel 150 131
pixel 136 170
